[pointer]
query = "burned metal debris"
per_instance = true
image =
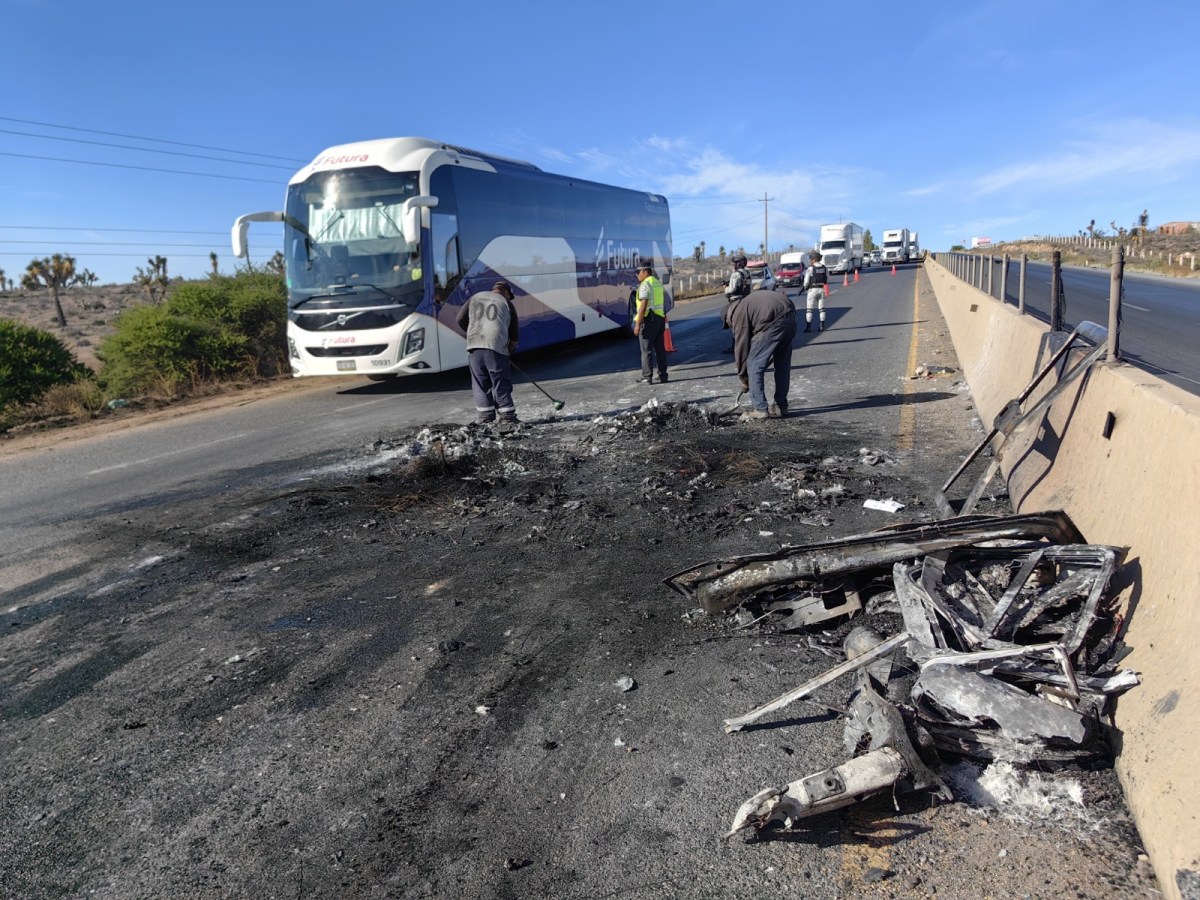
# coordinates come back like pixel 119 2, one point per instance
pixel 1007 630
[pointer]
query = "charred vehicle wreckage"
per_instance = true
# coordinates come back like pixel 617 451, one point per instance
pixel 1007 648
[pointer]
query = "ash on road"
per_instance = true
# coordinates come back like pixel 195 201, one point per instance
pixel 404 679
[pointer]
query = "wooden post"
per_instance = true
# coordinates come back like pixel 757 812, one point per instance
pixel 1056 293
pixel 991 268
pixel 1004 281
pixel 1021 285
pixel 1115 286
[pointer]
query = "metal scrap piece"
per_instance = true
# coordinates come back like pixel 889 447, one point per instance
pixel 809 687
pixel 720 584
pixel 1013 418
pixel 890 761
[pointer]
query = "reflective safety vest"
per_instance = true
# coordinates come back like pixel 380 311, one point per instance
pixel 655 304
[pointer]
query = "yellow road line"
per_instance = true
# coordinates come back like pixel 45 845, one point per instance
pixel 906 435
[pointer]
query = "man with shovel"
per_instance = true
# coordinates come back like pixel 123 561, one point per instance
pixel 490 321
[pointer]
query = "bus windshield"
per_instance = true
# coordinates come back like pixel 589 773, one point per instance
pixel 343 230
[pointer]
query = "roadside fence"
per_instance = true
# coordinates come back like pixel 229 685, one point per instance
pixel 979 271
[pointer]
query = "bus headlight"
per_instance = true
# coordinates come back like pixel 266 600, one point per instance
pixel 414 342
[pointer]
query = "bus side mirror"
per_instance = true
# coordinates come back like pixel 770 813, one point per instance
pixel 412 217
pixel 242 225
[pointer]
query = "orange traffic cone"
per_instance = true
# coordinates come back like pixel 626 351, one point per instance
pixel 856 276
pixel 893 268
pixel 846 280
pixel 667 342
pixel 827 289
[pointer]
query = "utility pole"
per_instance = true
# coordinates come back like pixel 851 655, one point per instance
pixel 766 253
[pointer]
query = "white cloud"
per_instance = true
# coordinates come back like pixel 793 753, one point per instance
pixel 1104 151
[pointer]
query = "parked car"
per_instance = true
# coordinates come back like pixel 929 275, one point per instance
pixel 874 258
pixel 790 275
pixel 761 278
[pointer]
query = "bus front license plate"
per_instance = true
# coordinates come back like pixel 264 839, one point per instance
pixel 346 365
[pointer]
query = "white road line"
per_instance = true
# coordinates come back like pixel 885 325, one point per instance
pixel 146 459
pixel 1138 308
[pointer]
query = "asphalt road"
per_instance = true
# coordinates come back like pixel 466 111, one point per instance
pixel 381 683
pixel 313 423
pixel 1160 317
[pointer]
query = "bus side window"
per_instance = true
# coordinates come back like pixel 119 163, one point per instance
pixel 447 268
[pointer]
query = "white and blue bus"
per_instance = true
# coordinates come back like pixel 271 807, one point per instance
pixel 385 240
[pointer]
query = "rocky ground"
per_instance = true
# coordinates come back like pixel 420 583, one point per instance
pixel 402 678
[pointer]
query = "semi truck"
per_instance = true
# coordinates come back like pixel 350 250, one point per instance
pixel 914 247
pixel 841 247
pixel 896 246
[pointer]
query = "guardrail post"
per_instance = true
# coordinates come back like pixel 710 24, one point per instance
pixel 991 268
pixel 1021 285
pixel 1056 292
pixel 1115 289
pixel 1004 281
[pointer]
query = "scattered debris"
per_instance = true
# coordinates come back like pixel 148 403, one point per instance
pixel 1007 629
pixel 625 683
pixel 887 506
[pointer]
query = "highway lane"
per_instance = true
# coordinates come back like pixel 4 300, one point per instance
pixel 1160 327
pixel 47 494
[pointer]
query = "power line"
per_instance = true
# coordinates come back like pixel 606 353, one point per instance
pixel 237 162
pixel 75 243
pixel 88 162
pixel 90 254
pixel 85 228
pixel 135 137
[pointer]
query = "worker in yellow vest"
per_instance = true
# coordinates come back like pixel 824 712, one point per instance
pixel 650 324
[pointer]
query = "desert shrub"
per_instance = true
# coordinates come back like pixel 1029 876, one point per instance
pixel 218 329
pixel 79 400
pixel 31 362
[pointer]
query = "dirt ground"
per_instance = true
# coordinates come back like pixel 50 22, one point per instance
pixel 399 678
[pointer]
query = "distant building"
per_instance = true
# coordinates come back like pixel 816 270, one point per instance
pixel 1178 227
pixel 980 242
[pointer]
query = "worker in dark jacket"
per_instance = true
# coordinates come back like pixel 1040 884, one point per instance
pixel 490 321
pixel 764 326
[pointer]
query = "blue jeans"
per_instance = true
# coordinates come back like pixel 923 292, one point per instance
pixel 772 347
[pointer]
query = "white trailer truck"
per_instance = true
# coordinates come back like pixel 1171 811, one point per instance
pixel 914 248
pixel 841 247
pixel 896 246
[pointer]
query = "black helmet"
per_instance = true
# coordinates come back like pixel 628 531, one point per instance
pixel 739 258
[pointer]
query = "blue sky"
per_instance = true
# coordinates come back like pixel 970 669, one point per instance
pixel 1002 119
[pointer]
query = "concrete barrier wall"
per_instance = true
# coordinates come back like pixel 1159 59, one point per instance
pixel 1139 488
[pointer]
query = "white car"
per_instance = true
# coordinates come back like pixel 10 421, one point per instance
pixel 761 278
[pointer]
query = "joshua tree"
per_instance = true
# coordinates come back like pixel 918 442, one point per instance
pixel 1 279
pixel 697 253
pixel 212 258
pixel 154 281
pixel 55 272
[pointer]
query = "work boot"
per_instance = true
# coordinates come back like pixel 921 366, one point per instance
pixel 485 420
pixel 754 415
pixel 645 379
pixel 808 326
pixel 663 379
pixel 509 423
pixel 821 325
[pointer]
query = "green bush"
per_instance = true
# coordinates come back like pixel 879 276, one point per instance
pixel 31 362
pixel 219 329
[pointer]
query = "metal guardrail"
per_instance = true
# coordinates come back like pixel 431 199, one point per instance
pixel 978 270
